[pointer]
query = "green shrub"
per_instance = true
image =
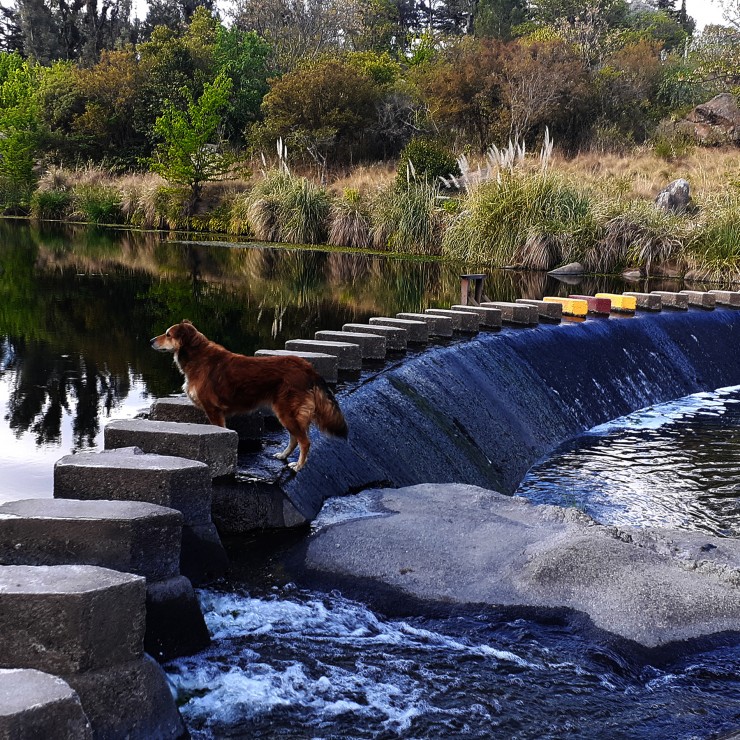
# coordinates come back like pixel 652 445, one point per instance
pixel 423 160
pixel 171 205
pixel 97 204
pixel 671 142
pixel 50 205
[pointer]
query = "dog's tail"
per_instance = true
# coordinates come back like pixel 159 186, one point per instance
pixel 328 415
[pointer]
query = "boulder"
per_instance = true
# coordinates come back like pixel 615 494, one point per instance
pixel 675 197
pixel 461 545
pixel 716 121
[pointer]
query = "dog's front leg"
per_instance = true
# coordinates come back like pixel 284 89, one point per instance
pixel 285 454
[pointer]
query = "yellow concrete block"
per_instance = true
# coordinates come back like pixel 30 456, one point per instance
pixel 571 306
pixel 620 302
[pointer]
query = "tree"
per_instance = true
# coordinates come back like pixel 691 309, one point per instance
pixel 20 129
pixel 497 18
pixel 243 56
pixel 189 153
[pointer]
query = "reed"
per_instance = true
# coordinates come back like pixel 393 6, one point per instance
pixel 349 221
pixel 97 203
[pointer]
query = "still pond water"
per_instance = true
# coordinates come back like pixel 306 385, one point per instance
pixel 76 310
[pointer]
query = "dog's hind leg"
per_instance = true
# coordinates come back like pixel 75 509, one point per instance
pixel 215 415
pixel 286 453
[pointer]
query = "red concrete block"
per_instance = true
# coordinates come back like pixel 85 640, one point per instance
pixel 602 306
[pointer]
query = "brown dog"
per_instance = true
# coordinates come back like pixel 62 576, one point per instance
pixel 223 383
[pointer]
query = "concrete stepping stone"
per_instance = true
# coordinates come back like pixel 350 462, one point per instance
pixel 439 326
pixel 598 306
pixel 34 704
pixel 646 301
pixel 249 427
pixel 417 331
pixel 128 474
pixel 518 314
pixel 128 536
pixel 70 618
pixel 207 443
pixel 395 337
pixel 348 354
pixel 569 306
pixel 621 302
pixel 324 364
pixel 372 346
pixel 679 301
pixel 727 297
pixel 489 318
pixel 700 299
pixel 462 321
pixel 552 312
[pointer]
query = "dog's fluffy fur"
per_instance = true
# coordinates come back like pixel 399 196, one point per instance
pixel 223 383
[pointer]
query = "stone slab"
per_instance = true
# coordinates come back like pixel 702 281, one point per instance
pixel 439 326
pixel 66 619
pixel 569 306
pixel 417 331
pixel 519 314
pixel 457 544
pixel 209 444
pixel 727 297
pixel 395 337
pixel 372 346
pixel 202 558
pixel 128 536
pixel 646 301
pixel 599 306
pixel 621 302
pixel 129 474
pixel 700 299
pixel 35 705
pixel 348 354
pixel 324 364
pixel 129 701
pixel 462 321
pixel 249 427
pixel 490 318
pixel 669 299
pixel 547 311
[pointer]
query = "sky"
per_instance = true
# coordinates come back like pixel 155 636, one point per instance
pixel 704 12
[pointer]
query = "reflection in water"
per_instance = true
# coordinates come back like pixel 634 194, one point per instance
pixel 78 305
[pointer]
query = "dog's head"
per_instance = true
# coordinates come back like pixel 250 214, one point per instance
pixel 177 336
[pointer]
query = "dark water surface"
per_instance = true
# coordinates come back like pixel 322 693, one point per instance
pixel 77 308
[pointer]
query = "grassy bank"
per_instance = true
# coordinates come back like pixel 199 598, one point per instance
pixel 595 209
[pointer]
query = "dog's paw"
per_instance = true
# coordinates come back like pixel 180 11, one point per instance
pixel 294 466
pixel 280 456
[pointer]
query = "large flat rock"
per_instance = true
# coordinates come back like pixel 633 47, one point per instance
pixel 460 544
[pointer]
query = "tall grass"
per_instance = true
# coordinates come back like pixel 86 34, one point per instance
pixel 535 220
pixel 349 221
pixel 714 246
pixel 409 219
pixel 97 204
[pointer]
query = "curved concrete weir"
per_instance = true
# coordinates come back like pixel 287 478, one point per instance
pixel 483 411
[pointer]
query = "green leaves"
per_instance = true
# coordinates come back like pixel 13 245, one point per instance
pixel 189 153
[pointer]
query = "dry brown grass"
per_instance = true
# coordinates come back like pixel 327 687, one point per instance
pixel 365 178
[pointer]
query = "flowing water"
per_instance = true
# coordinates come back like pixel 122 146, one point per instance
pixel 76 310
pixel 293 663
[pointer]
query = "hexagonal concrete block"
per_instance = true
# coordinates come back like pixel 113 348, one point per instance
pixel 518 314
pixel 552 312
pixel 347 353
pixel 727 297
pixel 249 427
pixel 395 337
pixel 128 536
pixel 701 299
pixel 490 318
pixel 65 619
pixel 34 704
pixel 462 321
pixel 439 326
pixel 372 346
pixel 324 364
pixel 129 474
pixel 417 331
pixel 670 299
pixel 646 301
pixel 207 443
